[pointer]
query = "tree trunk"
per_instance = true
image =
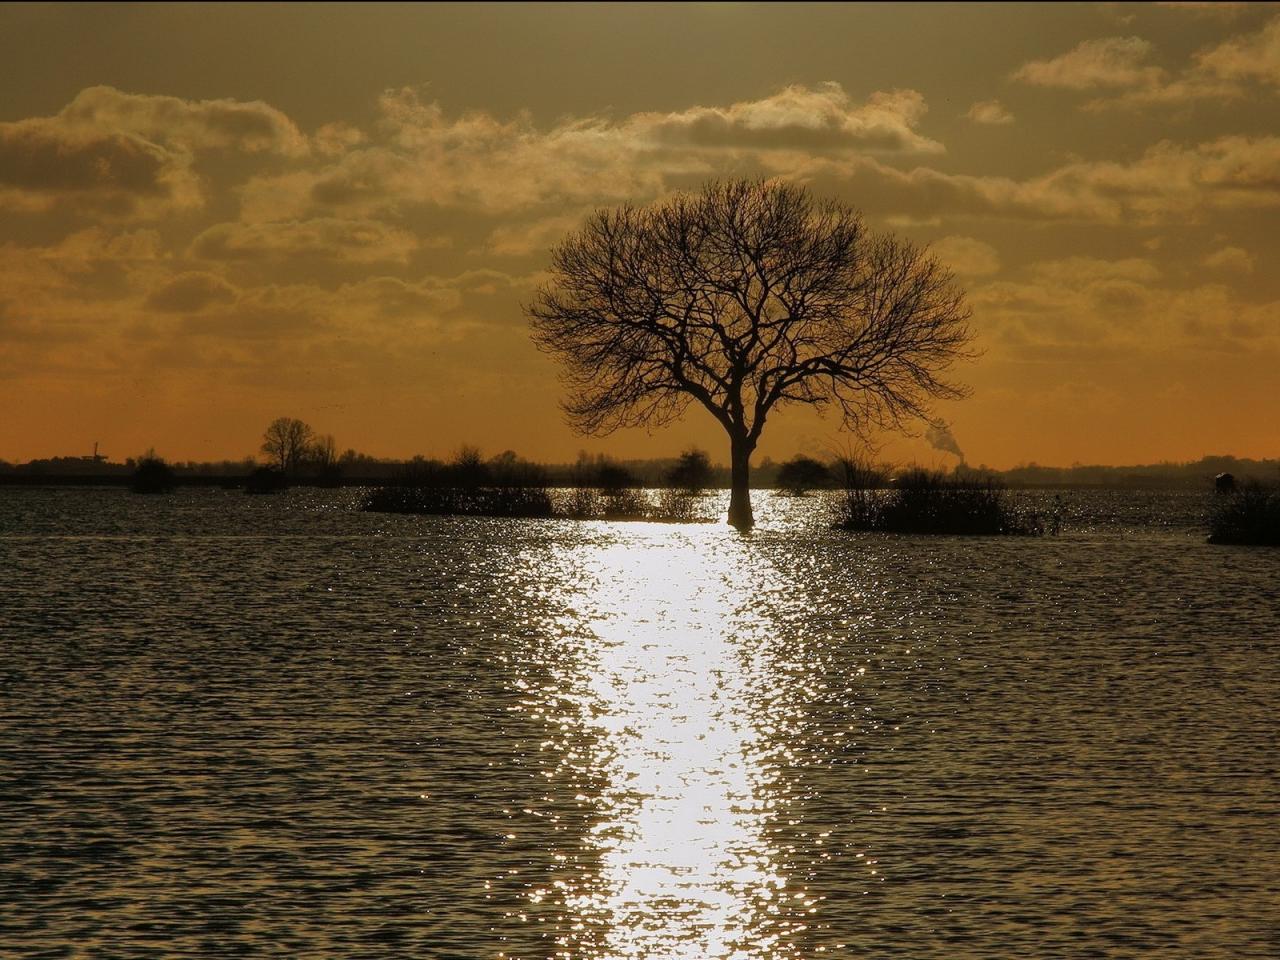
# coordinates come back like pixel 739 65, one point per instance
pixel 740 487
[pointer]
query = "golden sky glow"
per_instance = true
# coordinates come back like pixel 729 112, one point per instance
pixel 211 216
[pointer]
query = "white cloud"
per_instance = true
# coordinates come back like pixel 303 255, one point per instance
pixel 1231 259
pixel 991 112
pixel 253 127
pixel 1249 57
pixel 420 155
pixel 1107 62
pixel 122 155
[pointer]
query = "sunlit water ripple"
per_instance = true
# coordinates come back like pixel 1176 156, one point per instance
pixel 235 726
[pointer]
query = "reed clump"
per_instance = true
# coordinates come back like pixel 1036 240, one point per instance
pixel 1249 516
pixel 927 502
pixel 470 486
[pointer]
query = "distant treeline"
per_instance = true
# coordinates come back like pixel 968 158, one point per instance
pixel 353 469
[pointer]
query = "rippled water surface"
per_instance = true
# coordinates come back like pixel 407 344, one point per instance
pixel 238 726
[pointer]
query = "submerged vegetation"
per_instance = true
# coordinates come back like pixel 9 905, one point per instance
pixel 509 487
pixel 1249 515
pixel 458 501
pixel 925 502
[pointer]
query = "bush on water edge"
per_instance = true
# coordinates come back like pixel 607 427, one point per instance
pixel 1249 516
pixel 152 475
pixel 581 503
pixel 921 501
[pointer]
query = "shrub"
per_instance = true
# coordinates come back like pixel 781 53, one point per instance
pixel 152 475
pixel 266 480
pixel 575 503
pixel 801 474
pixel 467 469
pixel 691 473
pixel 677 506
pixel 614 478
pixel 932 503
pixel 860 501
pixel 1249 515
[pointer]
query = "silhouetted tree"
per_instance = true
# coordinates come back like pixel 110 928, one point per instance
pixel 152 475
pixel 323 452
pixel 744 297
pixel 467 469
pixel 692 472
pixel 322 456
pixel 801 474
pixel 287 442
pixel 613 477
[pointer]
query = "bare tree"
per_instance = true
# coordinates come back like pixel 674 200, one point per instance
pixel 744 297
pixel 323 453
pixel 287 442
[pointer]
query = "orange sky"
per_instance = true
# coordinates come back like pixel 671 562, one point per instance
pixel 211 216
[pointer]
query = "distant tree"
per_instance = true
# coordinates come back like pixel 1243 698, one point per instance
pixel 287 442
pixel 152 475
pixel 612 477
pixel 745 297
pixel 801 474
pixel 506 460
pixel 692 472
pixel 468 469
pixel 323 453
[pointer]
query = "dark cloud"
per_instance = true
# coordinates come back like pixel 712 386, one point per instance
pixel 363 241
pixel 47 160
pixel 191 292
pixel 253 127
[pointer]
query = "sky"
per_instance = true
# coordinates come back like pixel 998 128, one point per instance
pixel 213 216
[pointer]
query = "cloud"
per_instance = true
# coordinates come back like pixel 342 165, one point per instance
pixel 119 155
pixel 1081 271
pixel 43 164
pixel 252 127
pixel 191 292
pixel 991 112
pixel 419 155
pixel 1218 8
pixel 1168 181
pixel 1117 310
pixel 967 256
pixel 526 237
pixel 357 241
pixel 797 118
pixel 1232 259
pixel 1249 57
pixel 1107 62
pixel 1219 72
pixel 334 139
pixel 95 243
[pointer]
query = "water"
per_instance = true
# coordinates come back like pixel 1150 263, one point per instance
pixel 239 726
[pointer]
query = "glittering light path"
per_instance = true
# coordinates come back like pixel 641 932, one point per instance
pixel 686 870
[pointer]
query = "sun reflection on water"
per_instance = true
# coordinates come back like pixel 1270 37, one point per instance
pixel 666 668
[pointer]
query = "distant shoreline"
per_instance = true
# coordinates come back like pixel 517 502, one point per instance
pixel 28 481
pixel 367 471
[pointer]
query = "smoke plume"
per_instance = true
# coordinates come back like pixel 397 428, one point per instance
pixel 941 438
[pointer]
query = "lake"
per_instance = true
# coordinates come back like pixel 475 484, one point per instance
pixel 277 726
